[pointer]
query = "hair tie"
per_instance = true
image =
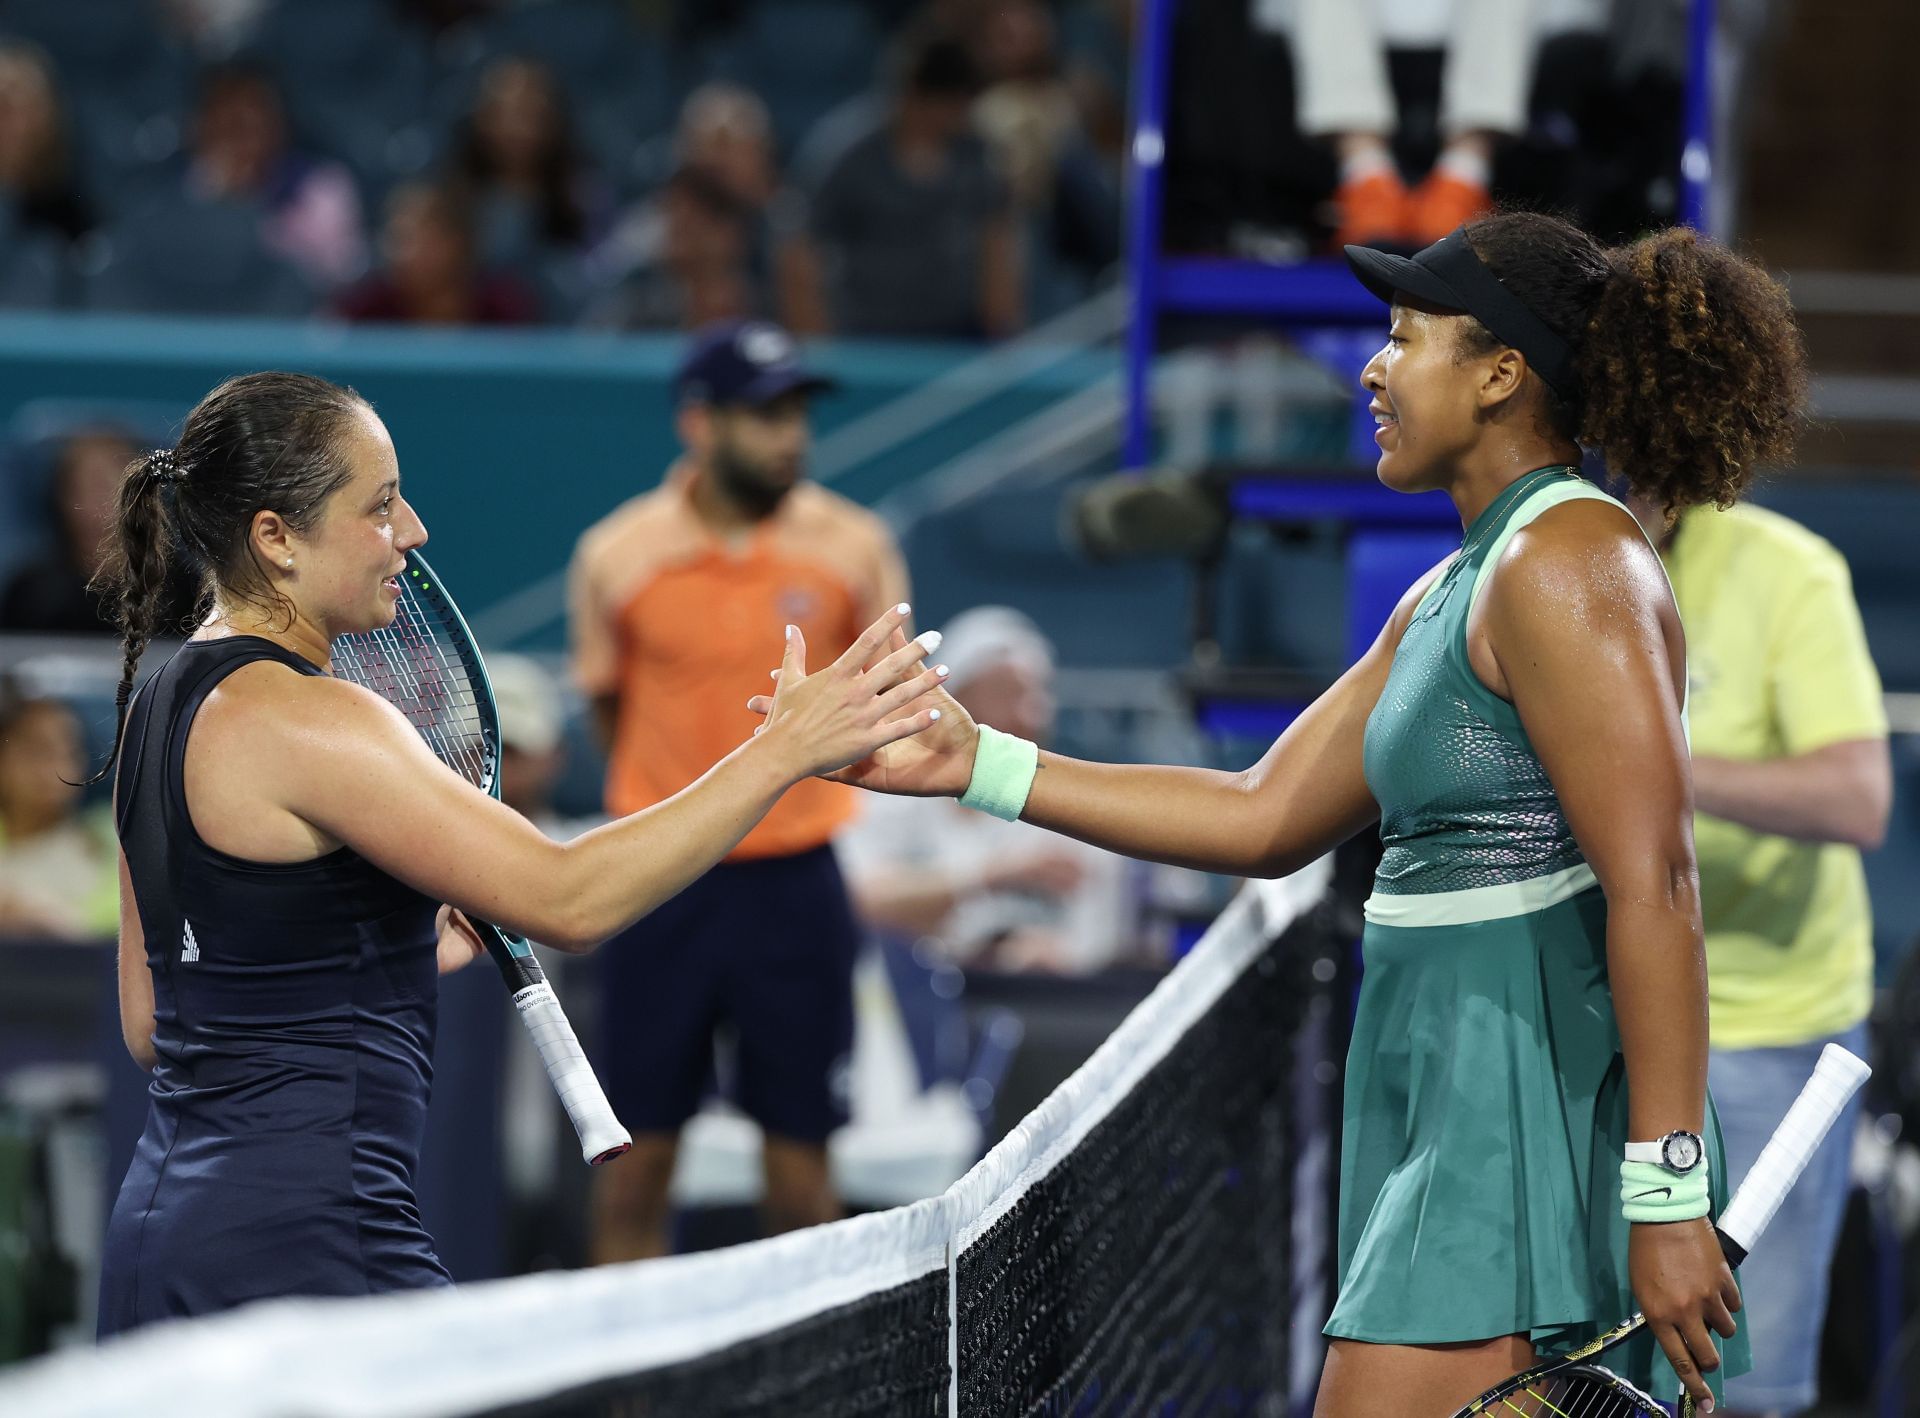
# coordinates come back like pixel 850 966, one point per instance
pixel 164 466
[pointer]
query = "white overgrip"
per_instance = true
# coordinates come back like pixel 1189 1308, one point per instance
pixel 1836 1077
pixel 601 1136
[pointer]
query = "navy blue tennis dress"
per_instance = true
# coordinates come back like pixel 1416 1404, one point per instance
pixel 293 1017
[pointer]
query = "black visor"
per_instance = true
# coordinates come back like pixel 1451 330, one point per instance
pixel 1449 275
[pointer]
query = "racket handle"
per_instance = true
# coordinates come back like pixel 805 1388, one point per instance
pixel 1836 1078
pixel 601 1136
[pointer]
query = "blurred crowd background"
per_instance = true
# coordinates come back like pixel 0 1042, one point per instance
pixel 936 195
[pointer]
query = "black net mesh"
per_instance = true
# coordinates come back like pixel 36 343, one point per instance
pixel 1151 1270
pixel 880 1356
pixel 1154 1239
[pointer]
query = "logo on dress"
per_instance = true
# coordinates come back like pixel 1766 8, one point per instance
pixel 189 947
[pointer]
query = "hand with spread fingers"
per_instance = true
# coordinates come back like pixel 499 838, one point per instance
pixel 870 699
pixel 934 758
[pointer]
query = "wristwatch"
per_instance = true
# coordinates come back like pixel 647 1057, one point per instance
pixel 1679 1152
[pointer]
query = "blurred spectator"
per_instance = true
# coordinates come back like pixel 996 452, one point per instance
pixel 700 265
pixel 1346 95
pixel 430 274
pixel 53 592
pixel 1030 116
pixel 310 207
pixel 716 241
pixel 517 164
pixel 915 230
pixel 36 175
pixel 59 865
pixel 1003 895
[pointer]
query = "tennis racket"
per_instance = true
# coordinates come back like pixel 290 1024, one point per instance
pixel 1571 1385
pixel 427 666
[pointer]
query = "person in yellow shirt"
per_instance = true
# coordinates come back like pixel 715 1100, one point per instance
pixel 1791 780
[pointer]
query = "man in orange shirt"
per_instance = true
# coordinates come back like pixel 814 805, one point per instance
pixel 677 599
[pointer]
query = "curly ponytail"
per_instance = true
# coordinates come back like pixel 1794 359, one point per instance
pixel 133 576
pixel 1695 370
pixel 1692 367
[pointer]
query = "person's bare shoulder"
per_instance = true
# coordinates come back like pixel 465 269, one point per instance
pixel 1575 562
pixel 268 707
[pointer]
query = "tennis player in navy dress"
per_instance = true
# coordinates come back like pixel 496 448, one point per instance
pixel 288 839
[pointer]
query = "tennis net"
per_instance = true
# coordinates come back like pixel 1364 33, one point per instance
pixel 1151 1239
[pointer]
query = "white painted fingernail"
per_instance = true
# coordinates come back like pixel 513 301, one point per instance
pixel 903 609
pixel 792 631
pixel 929 640
pixel 942 671
pixel 933 713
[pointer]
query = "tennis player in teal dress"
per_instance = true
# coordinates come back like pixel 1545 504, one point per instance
pixel 1533 1022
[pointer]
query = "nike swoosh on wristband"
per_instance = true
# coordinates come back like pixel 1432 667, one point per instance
pixel 1662 1192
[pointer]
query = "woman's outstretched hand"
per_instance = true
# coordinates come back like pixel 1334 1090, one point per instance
pixel 864 704
pixel 931 756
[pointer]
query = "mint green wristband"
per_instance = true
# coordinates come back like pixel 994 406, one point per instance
pixel 1649 1192
pixel 1003 772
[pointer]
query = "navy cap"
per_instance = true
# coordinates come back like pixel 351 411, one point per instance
pixel 744 362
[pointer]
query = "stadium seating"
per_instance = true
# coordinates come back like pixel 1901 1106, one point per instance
pixel 33 267
pixel 357 84
pixel 125 80
pixel 617 77
pixel 182 254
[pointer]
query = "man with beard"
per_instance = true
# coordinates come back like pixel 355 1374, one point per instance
pixel 677 599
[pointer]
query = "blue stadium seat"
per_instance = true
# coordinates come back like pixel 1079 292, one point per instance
pixel 185 255
pixel 1871 522
pixel 123 77
pixel 593 45
pixel 1892 882
pixel 357 84
pixel 804 57
pixel 33 268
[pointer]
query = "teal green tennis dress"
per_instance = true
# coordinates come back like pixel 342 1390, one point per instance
pixel 1486 1100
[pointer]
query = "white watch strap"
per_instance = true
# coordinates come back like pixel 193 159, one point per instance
pixel 1645 1151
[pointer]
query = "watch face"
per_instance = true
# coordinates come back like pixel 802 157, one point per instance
pixel 1680 1151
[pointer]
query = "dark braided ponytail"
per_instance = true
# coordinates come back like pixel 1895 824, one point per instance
pixel 259 442
pixel 133 576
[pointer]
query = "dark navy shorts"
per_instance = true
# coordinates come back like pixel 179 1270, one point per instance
pixel 760 950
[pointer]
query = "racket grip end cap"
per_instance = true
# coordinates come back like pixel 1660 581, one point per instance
pixel 607 1154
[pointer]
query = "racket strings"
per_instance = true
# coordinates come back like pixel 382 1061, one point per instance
pixel 1588 1393
pixel 417 666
